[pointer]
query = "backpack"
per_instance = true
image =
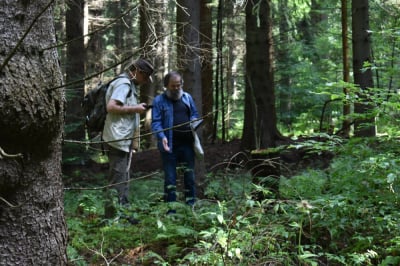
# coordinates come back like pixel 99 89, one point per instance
pixel 94 106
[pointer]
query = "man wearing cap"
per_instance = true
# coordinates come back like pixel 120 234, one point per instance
pixel 121 123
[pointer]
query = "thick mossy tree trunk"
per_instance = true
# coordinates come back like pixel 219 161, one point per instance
pixel 32 225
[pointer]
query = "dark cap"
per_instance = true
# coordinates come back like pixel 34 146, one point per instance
pixel 142 65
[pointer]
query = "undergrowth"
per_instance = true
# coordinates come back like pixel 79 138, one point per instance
pixel 346 214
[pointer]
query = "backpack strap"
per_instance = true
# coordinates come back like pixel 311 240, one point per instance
pixel 123 75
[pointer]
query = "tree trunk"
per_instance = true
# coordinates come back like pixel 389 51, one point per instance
pixel 260 129
pixel 126 30
pixel 206 69
pixel 231 44
pixel 365 125
pixel 33 230
pixel 75 69
pixel 115 39
pixel 285 94
pixel 75 72
pixel 346 71
pixel 95 46
pixel 188 58
pixel 59 23
pixel 188 23
pixel 152 36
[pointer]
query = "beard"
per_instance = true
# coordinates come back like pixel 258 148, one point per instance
pixel 174 95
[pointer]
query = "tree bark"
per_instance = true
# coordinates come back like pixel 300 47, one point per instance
pixel 95 46
pixel 33 229
pixel 365 125
pixel 188 58
pixel 152 40
pixel 260 129
pixel 75 69
pixel 285 93
pixel 346 71
pixel 188 23
pixel 206 68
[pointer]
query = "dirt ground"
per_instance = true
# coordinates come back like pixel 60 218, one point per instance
pixel 217 156
pixel 220 155
pixel 214 155
pixel 149 161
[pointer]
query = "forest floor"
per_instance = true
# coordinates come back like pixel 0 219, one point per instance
pixel 291 160
pixel 214 154
pixel 296 156
pixel 220 155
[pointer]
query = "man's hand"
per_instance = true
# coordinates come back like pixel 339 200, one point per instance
pixel 116 107
pixel 165 144
pixel 141 108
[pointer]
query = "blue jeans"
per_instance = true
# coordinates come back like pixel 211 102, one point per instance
pixel 182 155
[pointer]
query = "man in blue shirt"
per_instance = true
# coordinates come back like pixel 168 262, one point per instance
pixel 171 115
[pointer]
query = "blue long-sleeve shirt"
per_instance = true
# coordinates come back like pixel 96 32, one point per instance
pixel 163 116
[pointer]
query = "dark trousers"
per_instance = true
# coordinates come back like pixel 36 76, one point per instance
pixel 119 176
pixel 182 155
